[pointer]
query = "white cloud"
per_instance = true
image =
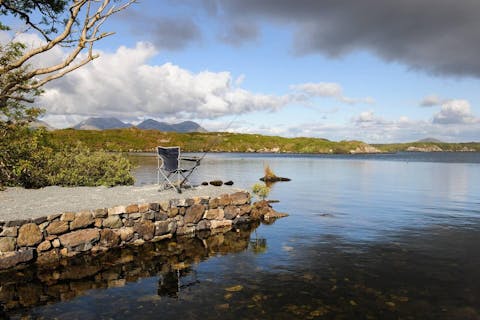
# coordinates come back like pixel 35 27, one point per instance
pixel 455 112
pixel 124 85
pixel 326 89
pixel 431 101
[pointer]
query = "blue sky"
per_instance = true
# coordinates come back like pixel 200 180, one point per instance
pixel 372 70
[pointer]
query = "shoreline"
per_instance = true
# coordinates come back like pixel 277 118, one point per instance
pixel 24 204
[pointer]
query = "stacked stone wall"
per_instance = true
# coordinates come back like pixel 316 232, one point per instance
pixel 49 238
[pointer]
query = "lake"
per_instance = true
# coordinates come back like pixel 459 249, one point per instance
pixel 368 237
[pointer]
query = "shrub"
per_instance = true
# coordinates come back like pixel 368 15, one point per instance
pixel 260 190
pixel 28 160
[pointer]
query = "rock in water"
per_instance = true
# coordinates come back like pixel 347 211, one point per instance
pixel 216 183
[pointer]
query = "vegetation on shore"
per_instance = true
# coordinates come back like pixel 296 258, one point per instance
pixel 132 139
pixel 429 147
pixel 137 140
pixel 28 158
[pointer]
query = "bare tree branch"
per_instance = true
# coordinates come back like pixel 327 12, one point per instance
pixel 16 75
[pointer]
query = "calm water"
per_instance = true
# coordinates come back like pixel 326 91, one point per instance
pixel 368 237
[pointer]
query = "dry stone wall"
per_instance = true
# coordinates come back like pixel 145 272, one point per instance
pixel 50 238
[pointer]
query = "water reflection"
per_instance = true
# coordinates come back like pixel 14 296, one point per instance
pixel 170 261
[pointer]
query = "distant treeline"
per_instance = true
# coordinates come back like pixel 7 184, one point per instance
pixel 136 140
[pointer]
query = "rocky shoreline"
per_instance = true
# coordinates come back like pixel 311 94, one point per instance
pixel 48 238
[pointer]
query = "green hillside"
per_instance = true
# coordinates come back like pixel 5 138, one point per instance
pixel 132 139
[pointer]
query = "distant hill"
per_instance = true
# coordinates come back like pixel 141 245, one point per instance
pixel 432 140
pixel 101 124
pixel 39 124
pixel 151 124
pixel 185 126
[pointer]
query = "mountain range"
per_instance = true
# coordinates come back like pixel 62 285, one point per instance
pixel 149 124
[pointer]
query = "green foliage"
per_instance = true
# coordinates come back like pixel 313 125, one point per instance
pixel 434 146
pixel 132 139
pixel 260 190
pixel 29 160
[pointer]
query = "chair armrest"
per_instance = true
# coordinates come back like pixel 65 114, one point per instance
pixel 193 159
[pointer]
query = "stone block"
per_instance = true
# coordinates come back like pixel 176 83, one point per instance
pixel 164 205
pixel 131 208
pixel 98 223
pixel 82 220
pixel 100 213
pixel 9 232
pixel 185 230
pixel 143 207
pixel 52 217
pixel 16 223
pixel 160 216
pixel 154 206
pixel 7 244
pixel 214 214
pixel 145 229
pixel 39 220
pixel 57 227
pixel 117 210
pixel 148 215
pixel 80 240
pixel 126 234
pixel 44 246
pixel 194 213
pixel 11 259
pixel 135 216
pixel 203 225
pixel 172 212
pixel 239 198
pixel 163 237
pixel 214 224
pixel 29 235
pixel 163 227
pixel 245 209
pixel 109 238
pixel 56 243
pixel 112 222
pixel 67 216
pixel 231 212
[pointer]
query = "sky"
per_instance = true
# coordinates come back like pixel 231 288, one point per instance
pixel 371 70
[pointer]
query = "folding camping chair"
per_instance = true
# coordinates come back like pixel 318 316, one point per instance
pixel 169 166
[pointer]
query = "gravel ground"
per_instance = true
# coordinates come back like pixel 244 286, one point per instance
pixel 19 203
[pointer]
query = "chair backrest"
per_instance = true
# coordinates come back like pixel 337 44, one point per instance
pixel 170 157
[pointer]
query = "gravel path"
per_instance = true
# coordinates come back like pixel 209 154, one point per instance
pixel 19 203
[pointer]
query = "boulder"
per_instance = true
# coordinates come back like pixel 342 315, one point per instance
pixel 194 213
pixel 82 220
pixel 109 238
pixel 216 183
pixel 214 214
pixel 44 246
pixel 11 259
pixel 126 234
pixel 29 235
pixel 113 222
pixel 7 244
pixel 131 208
pixel 164 227
pixel 145 229
pixel 57 227
pixel 80 240
pixel 214 224
pixel 231 212
pixel 239 198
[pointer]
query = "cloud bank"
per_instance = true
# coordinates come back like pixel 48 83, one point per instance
pixel 123 84
pixel 438 36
